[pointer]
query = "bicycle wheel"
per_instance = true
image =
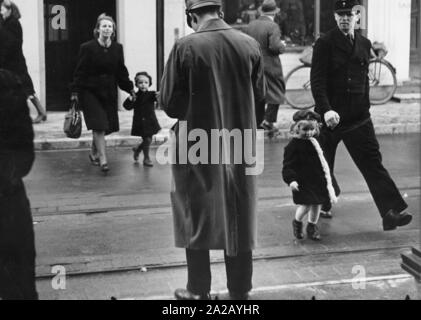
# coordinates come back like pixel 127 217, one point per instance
pixel 298 88
pixel 383 83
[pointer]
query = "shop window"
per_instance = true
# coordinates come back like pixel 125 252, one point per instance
pixel 295 20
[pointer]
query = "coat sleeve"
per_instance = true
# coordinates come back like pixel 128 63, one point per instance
pixel 289 173
pixel 81 69
pixel 319 75
pixel 123 79
pixel 276 45
pixel 174 97
pixel 258 78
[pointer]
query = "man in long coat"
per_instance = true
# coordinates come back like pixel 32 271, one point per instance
pixel 268 34
pixel 211 82
pixel 340 85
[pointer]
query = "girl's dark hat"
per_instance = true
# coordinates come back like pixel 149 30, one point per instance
pixel 306 115
pixel 196 4
pixel 269 7
pixel 345 5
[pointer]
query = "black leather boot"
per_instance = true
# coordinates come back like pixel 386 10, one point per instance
pixel 297 227
pixel 393 219
pixel 313 232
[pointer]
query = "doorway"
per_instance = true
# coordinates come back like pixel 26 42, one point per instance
pixel 415 70
pixel 68 24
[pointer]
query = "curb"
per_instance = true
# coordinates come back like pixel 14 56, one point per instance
pixel 127 141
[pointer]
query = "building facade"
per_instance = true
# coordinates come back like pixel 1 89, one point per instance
pixel 54 30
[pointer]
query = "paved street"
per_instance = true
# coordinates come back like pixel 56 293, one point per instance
pixel 104 229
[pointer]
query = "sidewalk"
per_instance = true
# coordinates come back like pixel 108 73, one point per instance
pixel 392 118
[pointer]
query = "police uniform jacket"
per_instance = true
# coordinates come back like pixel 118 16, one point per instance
pixel 211 82
pixel 339 76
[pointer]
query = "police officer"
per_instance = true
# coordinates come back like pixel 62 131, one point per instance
pixel 211 82
pixel 340 85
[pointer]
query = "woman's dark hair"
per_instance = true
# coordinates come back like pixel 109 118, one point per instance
pixel 143 73
pixel 10 5
pixel 102 17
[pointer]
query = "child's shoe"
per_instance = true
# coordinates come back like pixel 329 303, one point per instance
pixel 297 226
pixel 313 232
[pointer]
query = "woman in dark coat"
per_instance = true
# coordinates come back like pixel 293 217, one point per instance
pixel 145 123
pixel 17 245
pixel 100 69
pixel 12 58
pixel 307 173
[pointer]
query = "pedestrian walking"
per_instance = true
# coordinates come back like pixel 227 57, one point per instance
pixel 17 245
pixel 145 124
pixel 211 82
pixel 307 173
pixel 340 86
pixel 100 69
pixel 268 34
pixel 12 58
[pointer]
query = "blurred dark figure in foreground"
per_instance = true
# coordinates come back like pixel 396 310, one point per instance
pixel 17 248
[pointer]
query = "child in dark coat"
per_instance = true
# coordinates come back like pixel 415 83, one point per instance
pixel 307 173
pixel 145 123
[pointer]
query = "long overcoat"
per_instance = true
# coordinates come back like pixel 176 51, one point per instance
pixel 98 73
pixel 268 34
pixel 11 54
pixel 211 82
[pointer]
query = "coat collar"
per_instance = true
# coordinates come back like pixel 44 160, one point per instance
pixel 213 25
pixel 265 18
pixel 343 43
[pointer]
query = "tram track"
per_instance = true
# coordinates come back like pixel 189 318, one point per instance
pixel 95 210
pixel 257 258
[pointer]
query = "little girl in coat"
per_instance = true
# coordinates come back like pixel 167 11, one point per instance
pixel 307 173
pixel 145 123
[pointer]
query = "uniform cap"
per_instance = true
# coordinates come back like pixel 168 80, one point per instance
pixel 345 5
pixel 196 4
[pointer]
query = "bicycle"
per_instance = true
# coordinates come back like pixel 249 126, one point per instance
pixel 382 78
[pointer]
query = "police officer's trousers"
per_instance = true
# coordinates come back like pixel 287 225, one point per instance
pixel 362 145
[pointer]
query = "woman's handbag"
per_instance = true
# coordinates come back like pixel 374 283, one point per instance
pixel 73 122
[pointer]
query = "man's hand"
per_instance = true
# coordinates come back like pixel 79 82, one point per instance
pixel 332 119
pixel 294 186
